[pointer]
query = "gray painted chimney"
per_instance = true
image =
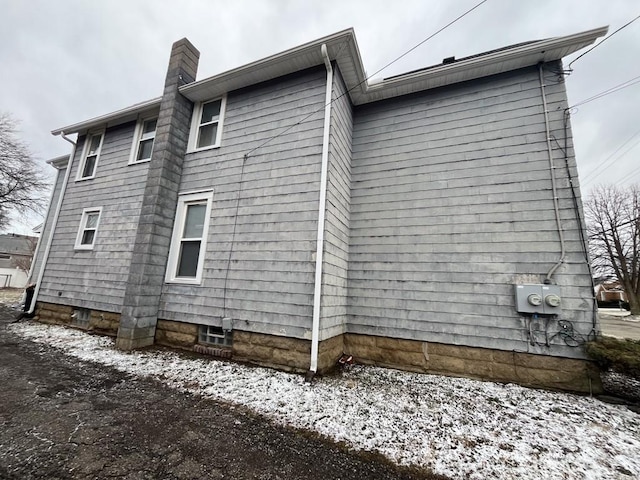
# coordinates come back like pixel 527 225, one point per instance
pixel 155 225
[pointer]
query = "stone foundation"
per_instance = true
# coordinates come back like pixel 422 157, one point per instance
pixel 176 334
pixel 53 314
pixel 294 354
pixel 104 323
pixel 290 354
pixel 482 363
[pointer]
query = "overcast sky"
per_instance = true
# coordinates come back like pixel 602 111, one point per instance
pixel 66 61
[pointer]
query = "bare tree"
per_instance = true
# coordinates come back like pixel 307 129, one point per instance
pixel 22 184
pixel 613 223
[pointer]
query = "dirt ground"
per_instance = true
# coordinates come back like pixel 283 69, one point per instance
pixel 65 419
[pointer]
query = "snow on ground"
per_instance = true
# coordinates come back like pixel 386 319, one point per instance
pixel 457 427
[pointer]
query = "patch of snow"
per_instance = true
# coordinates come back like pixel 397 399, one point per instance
pixel 457 427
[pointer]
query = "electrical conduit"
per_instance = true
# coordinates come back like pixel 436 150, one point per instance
pixel 552 168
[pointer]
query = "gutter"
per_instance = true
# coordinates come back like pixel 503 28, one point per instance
pixel 54 223
pixel 317 293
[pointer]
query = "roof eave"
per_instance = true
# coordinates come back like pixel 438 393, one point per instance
pixel 59 162
pixel 284 63
pixel 110 119
pixel 480 66
pixel 343 49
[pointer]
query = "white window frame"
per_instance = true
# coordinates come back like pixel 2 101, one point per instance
pixel 83 227
pixel 137 140
pixel 195 124
pixel 85 153
pixel 184 200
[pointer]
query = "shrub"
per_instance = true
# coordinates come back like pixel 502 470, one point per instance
pixel 622 356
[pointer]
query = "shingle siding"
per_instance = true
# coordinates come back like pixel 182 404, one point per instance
pixel 269 286
pixel 96 278
pixel 333 313
pixel 451 204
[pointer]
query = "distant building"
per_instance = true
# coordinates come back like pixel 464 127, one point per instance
pixel 288 211
pixel 611 292
pixel 16 253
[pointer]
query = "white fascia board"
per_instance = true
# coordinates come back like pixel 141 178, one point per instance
pixel 60 162
pixel 114 118
pixel 284 63
pixel 343 49
pixel 480 66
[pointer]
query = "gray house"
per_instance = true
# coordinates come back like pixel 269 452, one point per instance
pixel 288 212
pixel 16 252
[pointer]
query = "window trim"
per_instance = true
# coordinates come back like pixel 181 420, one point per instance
pixel 85 153
pixel 137 139
pixel 83 227
pixel 185 199
pixel 195 124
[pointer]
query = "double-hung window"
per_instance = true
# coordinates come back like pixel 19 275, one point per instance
pixel 86 238
pixel 143 140
pixel 189 240
pixel 90 156
pixel 206 127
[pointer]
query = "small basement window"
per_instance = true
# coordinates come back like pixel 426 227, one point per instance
pixel 211 335
pixel 80 317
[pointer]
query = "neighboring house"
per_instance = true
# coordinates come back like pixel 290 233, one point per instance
pixel 16 252
pixel 610 292
pixel 288 212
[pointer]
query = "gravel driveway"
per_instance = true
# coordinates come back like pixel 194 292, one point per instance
pixel 61 418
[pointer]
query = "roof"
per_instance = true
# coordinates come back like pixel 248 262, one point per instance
pixel 59 162
pixel 15 244
pixel 343 49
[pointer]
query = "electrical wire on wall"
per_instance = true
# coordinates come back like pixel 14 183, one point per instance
pixel 459 17
pixel 248 154
pixel 233 235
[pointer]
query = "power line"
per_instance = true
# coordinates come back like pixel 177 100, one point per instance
pixel 425 40
pixel 633 176
pixel 367 78
pixel 612 158
pixel 609 91
pixel 600 43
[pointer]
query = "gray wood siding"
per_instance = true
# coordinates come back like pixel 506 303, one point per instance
pixel 451 205
pixel 271 273
pixel 96 278
pixel 333 313
pixel 46 226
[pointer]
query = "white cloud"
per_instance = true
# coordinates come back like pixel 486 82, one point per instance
pixel 67 61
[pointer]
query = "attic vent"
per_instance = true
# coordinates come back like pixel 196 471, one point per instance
pixel 448 60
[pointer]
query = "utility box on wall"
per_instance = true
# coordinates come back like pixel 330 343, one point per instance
pixel 538 298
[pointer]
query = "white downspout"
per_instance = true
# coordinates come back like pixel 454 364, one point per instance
pixel 37 250
pixel 553 180
pixel 315 328
pixel 54 223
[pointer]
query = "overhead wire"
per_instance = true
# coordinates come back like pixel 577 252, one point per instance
pixel 609 91
pixel 305 118
pixel 269 140
pixel 601 42
pixel 611 158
